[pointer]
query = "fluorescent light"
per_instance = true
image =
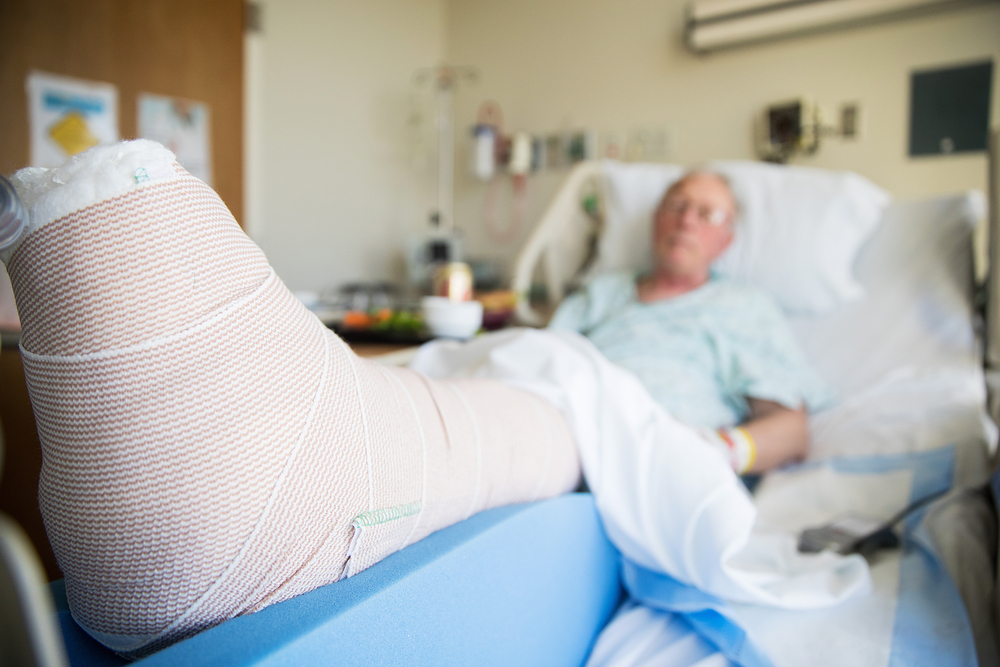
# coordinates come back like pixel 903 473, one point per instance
pixel 715 24
pixel 712 9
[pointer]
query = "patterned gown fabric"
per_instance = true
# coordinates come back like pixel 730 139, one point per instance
pixel 699 354
pixel 210 448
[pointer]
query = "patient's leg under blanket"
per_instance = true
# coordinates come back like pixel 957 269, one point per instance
pixel 210 448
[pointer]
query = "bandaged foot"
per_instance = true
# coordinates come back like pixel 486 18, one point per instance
pixel 209 447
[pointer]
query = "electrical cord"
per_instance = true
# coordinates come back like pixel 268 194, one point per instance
pixel 837 536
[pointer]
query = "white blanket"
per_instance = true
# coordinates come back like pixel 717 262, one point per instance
pixel 913 617
pixel 669 501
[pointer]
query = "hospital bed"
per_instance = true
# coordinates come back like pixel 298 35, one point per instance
pixel 911 362
pixel 535 584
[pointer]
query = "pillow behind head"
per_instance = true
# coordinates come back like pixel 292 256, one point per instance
pixel 632 193
pixel 797 236
pixel 799 232
pixel 917 270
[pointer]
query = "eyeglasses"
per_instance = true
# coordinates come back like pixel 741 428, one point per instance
pixel 706 215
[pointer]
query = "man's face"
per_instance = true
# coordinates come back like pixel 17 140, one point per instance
pixel 693 225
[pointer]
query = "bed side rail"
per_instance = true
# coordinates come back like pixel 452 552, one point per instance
pixel 992 347
pixel 544 244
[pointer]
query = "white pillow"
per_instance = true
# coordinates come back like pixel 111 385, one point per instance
pixel 799 232
pixel 906 358
pixel 632 192
pixel 918 314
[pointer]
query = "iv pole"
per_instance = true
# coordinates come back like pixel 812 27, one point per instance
pixel 445 78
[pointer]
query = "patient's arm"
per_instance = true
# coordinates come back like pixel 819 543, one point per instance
pixel 780 433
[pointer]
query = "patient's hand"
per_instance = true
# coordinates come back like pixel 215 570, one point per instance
pixel 780 433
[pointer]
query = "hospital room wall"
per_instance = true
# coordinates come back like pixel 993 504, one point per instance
pixel 332 186
pixel 566 64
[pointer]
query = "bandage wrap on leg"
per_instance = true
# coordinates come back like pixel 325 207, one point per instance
pixel 209 447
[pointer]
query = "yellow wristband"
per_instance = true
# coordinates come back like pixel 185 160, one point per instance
pixel 753 448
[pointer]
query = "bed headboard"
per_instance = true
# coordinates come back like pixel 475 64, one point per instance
pixel 558 244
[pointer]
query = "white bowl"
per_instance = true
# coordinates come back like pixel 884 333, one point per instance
pixel 452 319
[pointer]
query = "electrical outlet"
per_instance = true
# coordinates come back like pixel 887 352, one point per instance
pixel 611 146
pixel 850 120
pixel 648 145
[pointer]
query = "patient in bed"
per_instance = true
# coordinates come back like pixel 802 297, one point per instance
pixel 715 354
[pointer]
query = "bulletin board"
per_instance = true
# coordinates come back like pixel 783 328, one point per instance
pixel 187 49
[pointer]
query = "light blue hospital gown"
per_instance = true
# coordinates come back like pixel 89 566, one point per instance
pixel 699 354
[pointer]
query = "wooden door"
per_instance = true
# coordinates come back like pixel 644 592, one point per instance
pixel 180 48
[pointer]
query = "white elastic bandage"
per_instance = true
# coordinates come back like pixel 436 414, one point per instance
pixel 210 448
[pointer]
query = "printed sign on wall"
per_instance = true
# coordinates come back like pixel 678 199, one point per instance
pixel 180 125
pixel 67 116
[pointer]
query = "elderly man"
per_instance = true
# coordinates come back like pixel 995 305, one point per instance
pixel 715 354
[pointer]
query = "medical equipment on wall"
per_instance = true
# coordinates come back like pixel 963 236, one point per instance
pixel 487 140
pixel 788 128
pixel 797 126
pixel 483 162
pixel 520 154
pixel 519 161
pixel 515 155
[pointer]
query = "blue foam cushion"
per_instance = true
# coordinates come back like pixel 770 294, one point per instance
pixel 521 585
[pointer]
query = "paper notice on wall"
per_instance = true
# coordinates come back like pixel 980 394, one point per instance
pixel 180 125
pixel 67 116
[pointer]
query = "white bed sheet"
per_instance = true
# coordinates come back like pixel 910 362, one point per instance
pixel 906 363
pixel 858 632
pixel 669 500
pixel 913 616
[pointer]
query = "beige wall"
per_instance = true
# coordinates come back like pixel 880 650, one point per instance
pixel 614 66
pixel 331 185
